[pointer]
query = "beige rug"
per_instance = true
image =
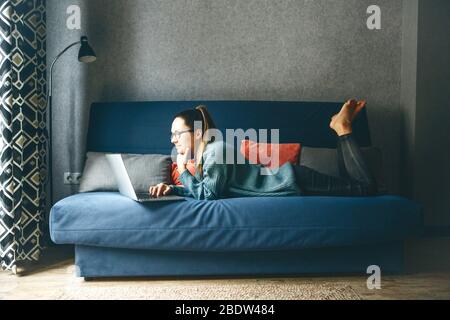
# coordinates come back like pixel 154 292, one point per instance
pixel 206 290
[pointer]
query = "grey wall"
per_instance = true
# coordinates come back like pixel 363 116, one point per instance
pixel 215 49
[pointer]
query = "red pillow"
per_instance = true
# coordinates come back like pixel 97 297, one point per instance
pixel 288 152
pixel 175 175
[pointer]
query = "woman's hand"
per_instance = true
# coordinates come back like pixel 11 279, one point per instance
pixel 182 160
pixel 160 189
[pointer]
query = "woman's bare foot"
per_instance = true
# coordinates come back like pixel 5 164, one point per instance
pixel 359 106
pixel 341 123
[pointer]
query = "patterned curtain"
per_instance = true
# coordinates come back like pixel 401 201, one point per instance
pixel 23 142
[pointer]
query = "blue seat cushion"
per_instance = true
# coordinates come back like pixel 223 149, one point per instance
pixel 108 219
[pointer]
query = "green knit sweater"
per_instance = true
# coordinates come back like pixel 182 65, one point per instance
pixel 225 180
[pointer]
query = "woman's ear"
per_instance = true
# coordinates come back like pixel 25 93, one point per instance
pixel 198 134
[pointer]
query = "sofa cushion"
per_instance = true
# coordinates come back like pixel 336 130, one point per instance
pixel 190 165
pixel 145 170
pixel 261 153
pixel 108 219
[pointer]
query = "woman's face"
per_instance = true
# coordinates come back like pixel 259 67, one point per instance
pixel 182 136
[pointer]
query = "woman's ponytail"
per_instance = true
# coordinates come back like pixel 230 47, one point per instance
pixel 207 124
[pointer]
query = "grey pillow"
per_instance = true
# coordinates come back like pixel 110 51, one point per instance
pixel 144 171
pixel 324 160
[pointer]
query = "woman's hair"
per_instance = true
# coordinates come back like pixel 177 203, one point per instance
pixel 190 116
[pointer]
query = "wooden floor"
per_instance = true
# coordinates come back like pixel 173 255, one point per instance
pixel 427 278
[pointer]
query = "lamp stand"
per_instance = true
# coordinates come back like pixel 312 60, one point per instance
pixel 49 181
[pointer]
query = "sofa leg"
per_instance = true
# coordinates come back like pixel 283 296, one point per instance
pixel 87 279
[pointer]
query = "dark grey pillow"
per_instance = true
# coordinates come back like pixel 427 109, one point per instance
pixel 324 160
pixel 144 170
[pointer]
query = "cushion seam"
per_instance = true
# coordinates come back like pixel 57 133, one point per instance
pixel 212 228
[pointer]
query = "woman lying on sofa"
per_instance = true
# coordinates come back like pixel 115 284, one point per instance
pixel 216 180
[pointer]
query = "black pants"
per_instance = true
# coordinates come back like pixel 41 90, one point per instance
pixel 355 178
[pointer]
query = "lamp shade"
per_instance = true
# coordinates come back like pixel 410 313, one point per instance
pixel 86 53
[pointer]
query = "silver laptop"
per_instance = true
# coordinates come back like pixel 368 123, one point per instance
pixel 126 187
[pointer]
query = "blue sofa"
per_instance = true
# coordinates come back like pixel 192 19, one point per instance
pixel 116 236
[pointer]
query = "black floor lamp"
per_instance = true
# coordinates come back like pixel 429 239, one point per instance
pixel 86 55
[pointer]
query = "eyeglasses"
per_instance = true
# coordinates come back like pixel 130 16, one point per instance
pixel 177 134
